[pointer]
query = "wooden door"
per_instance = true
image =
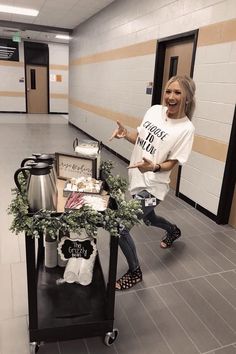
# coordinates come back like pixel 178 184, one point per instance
pixel 178 61
pixel 37 89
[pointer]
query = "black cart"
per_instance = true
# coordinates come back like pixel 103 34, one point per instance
pixel 68 311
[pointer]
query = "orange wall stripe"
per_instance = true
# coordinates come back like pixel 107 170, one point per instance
pixel 134 50
pixel 11 63
pixel 131 121
pixel 210 147
pixel 12 94
pixel 217 33
pixel 58 67
pixel 63 96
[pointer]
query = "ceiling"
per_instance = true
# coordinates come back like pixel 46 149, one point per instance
pixel 55 16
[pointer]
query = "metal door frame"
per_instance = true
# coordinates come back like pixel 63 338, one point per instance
pixel 229 179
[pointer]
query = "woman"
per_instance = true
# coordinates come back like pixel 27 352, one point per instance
pixel 163 139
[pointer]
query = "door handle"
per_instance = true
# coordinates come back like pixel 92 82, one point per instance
pixel 28 89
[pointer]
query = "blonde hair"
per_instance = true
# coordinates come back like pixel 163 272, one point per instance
pixel 188 86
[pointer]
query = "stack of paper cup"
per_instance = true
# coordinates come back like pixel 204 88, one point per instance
pixel 72 270
pixel 80 270
pixel 86 271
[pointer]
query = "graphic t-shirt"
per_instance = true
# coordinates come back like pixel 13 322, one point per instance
pixel 159 139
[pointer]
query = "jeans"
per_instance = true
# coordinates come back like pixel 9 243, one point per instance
pixel 126 242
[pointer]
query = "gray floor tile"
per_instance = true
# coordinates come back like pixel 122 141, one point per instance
pixel 197 331
pixel 226 350
pixel 226 239
pixel 201 256
pixel 127 341
pixel 171 330
pixel 49 348
pixel 155 265
pixel 219 303
pixel 219 245
pixel 171 261
pixel 72 347
pixel 212 253
pixel 95 345
pixel 194 220
pixel 145 329
pixel 223 287
pixel 184 305
pixel 230 277
pixel 206 313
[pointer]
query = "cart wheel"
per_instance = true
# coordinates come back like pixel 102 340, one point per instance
pixel 110 337
pixel 34 347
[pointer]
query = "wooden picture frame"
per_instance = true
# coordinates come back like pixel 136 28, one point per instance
pixel 73 166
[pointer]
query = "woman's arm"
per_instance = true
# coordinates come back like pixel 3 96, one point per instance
pixel 147 165
pixel 131 136
pixel 122 132
pixel 165 166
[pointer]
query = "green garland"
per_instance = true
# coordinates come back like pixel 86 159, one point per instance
pixel 126 213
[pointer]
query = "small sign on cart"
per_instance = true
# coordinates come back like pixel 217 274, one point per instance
pixel 72 166
pixel 68 248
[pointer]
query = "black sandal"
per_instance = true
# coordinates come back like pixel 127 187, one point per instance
pixel 129 279
pixel 170 238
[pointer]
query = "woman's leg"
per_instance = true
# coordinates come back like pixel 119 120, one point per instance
pixel 134 273
pixel 172 231
pixel 159 221
pixel 127 246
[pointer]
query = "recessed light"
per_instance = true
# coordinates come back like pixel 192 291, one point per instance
pixel 63 36
pixel 18 10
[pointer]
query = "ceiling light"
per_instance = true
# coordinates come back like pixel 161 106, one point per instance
pixel 18 10
pixel 63 36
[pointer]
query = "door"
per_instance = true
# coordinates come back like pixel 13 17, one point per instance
pixel 37 89
pixel 175 56
pixel 178 60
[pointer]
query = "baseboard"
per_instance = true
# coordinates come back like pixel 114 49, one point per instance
pixel 64 113
pixel 13 112
pixel 204 211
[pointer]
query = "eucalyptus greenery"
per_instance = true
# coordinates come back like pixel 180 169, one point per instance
pixel 106 167
pixel 125 214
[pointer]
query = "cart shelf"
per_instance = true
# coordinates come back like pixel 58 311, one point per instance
pixel 59 312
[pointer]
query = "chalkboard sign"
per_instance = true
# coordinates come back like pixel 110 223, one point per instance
pixel 73 166
pixel 68 248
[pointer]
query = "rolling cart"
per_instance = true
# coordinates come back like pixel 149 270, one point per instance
pixel 69 311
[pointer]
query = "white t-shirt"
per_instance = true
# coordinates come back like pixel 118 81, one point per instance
pixel 159 139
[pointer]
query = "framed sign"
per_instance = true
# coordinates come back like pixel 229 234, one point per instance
pixel 73 166
pixel 76 248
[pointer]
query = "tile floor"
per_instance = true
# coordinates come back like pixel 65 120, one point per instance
pixel 186 303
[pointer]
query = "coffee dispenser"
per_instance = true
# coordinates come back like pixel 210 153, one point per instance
pixel 40 189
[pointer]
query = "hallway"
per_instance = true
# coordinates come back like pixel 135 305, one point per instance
pixel 186 303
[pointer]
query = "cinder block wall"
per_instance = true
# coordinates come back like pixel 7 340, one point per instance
pixel 112 58
pixel 12 83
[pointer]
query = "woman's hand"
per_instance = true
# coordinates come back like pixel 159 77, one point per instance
pixel 143 166
pixel 120 132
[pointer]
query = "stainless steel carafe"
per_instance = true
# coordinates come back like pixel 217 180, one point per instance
pixel 47 158
pixel 40 188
